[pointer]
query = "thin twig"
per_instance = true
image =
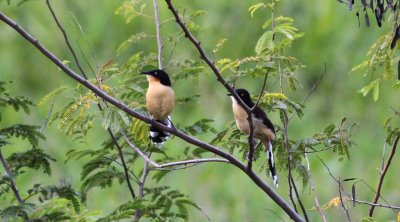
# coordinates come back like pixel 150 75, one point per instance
pixel 250 141
pixel 373 190
pixel 146 171
pixel 123 107
pixel 261 91
pixel 289 158
pixel 177 163
pixel 313 88
pixel 159 39
pixel 355 200
pixel 376 204
pixel 342 202
pixel 66 39
pixel 383 174
pixel 299 200
pixel 121 155
pixel 251 126
pixel 13 185
pixel 313 189
pixel 46 121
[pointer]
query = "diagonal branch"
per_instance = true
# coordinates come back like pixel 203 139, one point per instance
pixel 251 126
pixel 383 174
pixel 12 182
pixel 123 107
pixel 66 39
pixel 204 56
pixel 312 185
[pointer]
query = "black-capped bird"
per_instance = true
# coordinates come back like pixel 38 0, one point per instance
pixel 263 128
pixel 160 101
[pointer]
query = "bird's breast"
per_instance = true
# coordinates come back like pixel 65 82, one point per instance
pixel 160 100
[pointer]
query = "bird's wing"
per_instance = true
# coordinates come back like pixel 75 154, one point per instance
pixel 260 114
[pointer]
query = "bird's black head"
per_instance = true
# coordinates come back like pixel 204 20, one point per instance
pixel 245 96
pixel 160 75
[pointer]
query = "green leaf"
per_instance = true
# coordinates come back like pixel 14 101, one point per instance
pixel 374 85
pixel 33 159
pixel 265 43
pixel 254 8
pixel 24 132
pixel 376 92
pixel 52 94
pixel 15 212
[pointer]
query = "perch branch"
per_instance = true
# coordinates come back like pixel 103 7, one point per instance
pixel 383 174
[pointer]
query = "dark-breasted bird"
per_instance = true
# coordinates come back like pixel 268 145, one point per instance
pixel 263 128
pixel 160 101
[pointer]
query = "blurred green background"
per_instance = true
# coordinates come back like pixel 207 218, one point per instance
pixel 332 37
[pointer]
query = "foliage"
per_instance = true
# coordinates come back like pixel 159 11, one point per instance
pixel 382 63
pixel 158 204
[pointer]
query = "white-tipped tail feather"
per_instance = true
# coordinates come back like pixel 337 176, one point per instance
pixel 271 163
pixel 158 136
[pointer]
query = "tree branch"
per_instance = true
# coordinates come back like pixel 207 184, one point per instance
pixel 10 175
pixel 342 202
pixel 66 39
pixel 312 185
pixel 160 166
pixel 159 39
pixel 233 160
pixel 251 125
pixel 383 174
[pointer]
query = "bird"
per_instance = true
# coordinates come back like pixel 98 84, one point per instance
pixel 160 101
pixel 263 128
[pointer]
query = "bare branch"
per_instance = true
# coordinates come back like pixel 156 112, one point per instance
pixel 303 209
pixel 146 171
pixel 342 202
pixel 183 162
pixel 159 39
pixel 11 179
pixel 376 204
pixel 261 91
pixel 313 88
pixel 251 126
pixel 66 39
pixel 383 174
pixel 123 107
pixel 312 185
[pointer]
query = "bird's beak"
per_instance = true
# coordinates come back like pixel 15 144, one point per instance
pixel 145 73
pixel 229 94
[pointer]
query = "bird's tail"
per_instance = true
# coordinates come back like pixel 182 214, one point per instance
pixel 158 136
pixel 271 163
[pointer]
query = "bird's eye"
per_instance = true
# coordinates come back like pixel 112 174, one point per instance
pixel 241 94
